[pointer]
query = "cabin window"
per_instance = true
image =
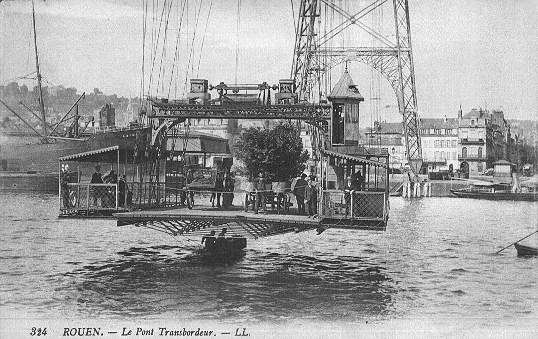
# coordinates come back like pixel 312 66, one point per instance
pixel 338 124
pixel 354 113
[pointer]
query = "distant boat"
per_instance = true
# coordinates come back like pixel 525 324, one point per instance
pixel 523 250
pixel 504 185
pixel 494 192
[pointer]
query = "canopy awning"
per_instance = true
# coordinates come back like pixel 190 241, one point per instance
pixel 107 154
pixel 353 158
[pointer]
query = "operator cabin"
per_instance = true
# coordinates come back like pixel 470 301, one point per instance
pixel 345 99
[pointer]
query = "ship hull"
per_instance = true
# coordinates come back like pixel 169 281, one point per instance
pixel 34 166
pixel 29 182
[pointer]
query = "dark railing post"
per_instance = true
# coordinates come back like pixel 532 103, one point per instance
pixel 88 198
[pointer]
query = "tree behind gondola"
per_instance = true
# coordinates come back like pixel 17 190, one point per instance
pixel 278 152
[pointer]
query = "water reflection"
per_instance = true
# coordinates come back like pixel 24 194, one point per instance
pixel 183 282
pixel 435 260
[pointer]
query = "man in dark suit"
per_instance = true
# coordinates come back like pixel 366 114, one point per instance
pixel 311 195
pixel 299 192
pixel 97 192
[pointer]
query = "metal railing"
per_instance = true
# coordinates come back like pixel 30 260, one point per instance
pixel 76 198
pixel 354 205
pixel 154 195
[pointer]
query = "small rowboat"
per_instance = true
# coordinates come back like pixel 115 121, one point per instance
pixel 222 246
pixel 523 250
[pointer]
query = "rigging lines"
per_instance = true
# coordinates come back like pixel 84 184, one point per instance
pixel 173 40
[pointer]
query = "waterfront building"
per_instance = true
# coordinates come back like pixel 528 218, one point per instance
pixel 389 136
pixel 439 141
pixel 484 137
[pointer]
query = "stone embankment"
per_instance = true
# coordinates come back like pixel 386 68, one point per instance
pixel 438 188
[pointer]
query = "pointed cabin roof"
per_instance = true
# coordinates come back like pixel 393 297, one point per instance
pixel 345 89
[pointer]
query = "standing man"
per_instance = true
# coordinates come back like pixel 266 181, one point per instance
pixel 219 188
pixel 259 187
pixel 348 191
pixel 228 197
pixel 122 189
pixel 357 181
pixel 406 184
pixel 299 191
pixel 97 178
pixel 311 195
pixel 64 185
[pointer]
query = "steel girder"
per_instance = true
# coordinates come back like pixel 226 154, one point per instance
pixel 304 46
pixel 395 63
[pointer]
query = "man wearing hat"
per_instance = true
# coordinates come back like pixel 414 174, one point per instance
pixel 299 191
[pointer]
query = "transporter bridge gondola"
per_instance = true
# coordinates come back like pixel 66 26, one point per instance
pixel 336 151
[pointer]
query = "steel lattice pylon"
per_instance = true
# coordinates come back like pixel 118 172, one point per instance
pixel 394 60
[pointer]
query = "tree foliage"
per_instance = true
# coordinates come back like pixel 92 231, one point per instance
pixel 277 152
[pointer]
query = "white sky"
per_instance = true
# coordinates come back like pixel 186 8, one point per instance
pixel 469 52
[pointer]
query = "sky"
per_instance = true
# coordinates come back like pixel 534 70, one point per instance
pixel 473 53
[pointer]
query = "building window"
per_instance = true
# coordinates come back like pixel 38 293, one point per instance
pixel 472 122
pixel 436 155
pixel 480 153
pixel 454 143
pixel 443 157
pixel 464 152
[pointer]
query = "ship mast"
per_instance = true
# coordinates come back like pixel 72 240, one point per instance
pixel 40 91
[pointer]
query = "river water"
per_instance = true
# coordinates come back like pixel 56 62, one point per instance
pixel 435 261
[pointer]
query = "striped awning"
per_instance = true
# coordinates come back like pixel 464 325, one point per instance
pixel 353 158
pixel 93 155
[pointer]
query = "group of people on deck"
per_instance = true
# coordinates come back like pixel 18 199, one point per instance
pixel 106 194
pixel 101 195
pixel 306 191
pixel 224 187
pixel 304 188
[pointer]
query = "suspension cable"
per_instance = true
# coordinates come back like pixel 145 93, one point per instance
pixel 237 39
pixel 155 46
pixel 191 50
pixel 203 38
pixel 176 52
pixel 163 53
pixel 144 28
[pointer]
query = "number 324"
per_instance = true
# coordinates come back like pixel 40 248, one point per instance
pixel 38 331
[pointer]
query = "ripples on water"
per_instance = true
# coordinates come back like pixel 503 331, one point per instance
pixel 434 261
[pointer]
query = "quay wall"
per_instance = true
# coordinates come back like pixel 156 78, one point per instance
pixel 439 188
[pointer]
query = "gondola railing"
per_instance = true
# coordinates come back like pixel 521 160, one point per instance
pixel 358 205
pixel 105 199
